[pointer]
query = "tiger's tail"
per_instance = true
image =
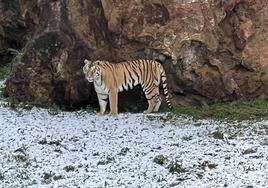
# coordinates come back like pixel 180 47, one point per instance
pixel 164 82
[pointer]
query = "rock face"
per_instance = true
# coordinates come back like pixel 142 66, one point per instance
pixel 212 50
pixel 15 24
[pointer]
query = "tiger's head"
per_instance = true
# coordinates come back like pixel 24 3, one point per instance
pixel 91 70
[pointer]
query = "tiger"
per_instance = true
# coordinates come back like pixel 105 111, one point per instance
pixel 111 78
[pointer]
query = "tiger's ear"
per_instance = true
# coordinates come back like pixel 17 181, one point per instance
pixel 86 61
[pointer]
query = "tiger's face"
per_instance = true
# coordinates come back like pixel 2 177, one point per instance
pixel 91 70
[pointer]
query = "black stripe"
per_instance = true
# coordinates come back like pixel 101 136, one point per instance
pixel 150 90
pixel 125 70
pixel 140 74
pixel 147 69
pixel 111 66
pixel 149 77
pixel 134 69
pixel 152 97
pixel 130 76
pixel 143 72
pixel 154 76
pixel 129 72
pixel 136 74
pixel 149 85
pixel 106 100
pixel 135 64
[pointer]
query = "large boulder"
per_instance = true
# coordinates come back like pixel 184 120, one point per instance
pixel 212 50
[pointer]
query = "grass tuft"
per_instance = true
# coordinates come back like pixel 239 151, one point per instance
pixel 218 135
pixel 124 151
pixel 69 168
pixel 5 71
pixel 2 177
pixel 53 109
pixel 175 167
pixel 106 160
pixel 160 159
pixel 47 177
pixel 254 109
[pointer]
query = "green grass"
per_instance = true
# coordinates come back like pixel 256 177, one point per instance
pixel 5 71
pixel 255 109
pixel 69 168
pixel 53 108
pixel 175 167
pixel 238 110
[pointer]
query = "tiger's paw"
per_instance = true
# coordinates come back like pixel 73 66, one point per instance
pixel 100 114
pixel 146 112
pixel 113 114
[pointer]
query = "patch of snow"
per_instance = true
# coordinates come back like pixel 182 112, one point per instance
pixel 79 149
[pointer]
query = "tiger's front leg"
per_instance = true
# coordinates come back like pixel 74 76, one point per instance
pixel 113 99
pixel 103 100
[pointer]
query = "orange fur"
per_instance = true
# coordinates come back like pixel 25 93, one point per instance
pixel 109 79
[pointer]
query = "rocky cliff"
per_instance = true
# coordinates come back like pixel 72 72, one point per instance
pixel 212 50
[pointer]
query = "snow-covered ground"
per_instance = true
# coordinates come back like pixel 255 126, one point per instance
pixel 80 149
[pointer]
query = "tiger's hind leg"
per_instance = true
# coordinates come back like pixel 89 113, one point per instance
pixel 158 103
pixel 151 105
pixel 152 100
pixel 103 100
pixel 157 99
